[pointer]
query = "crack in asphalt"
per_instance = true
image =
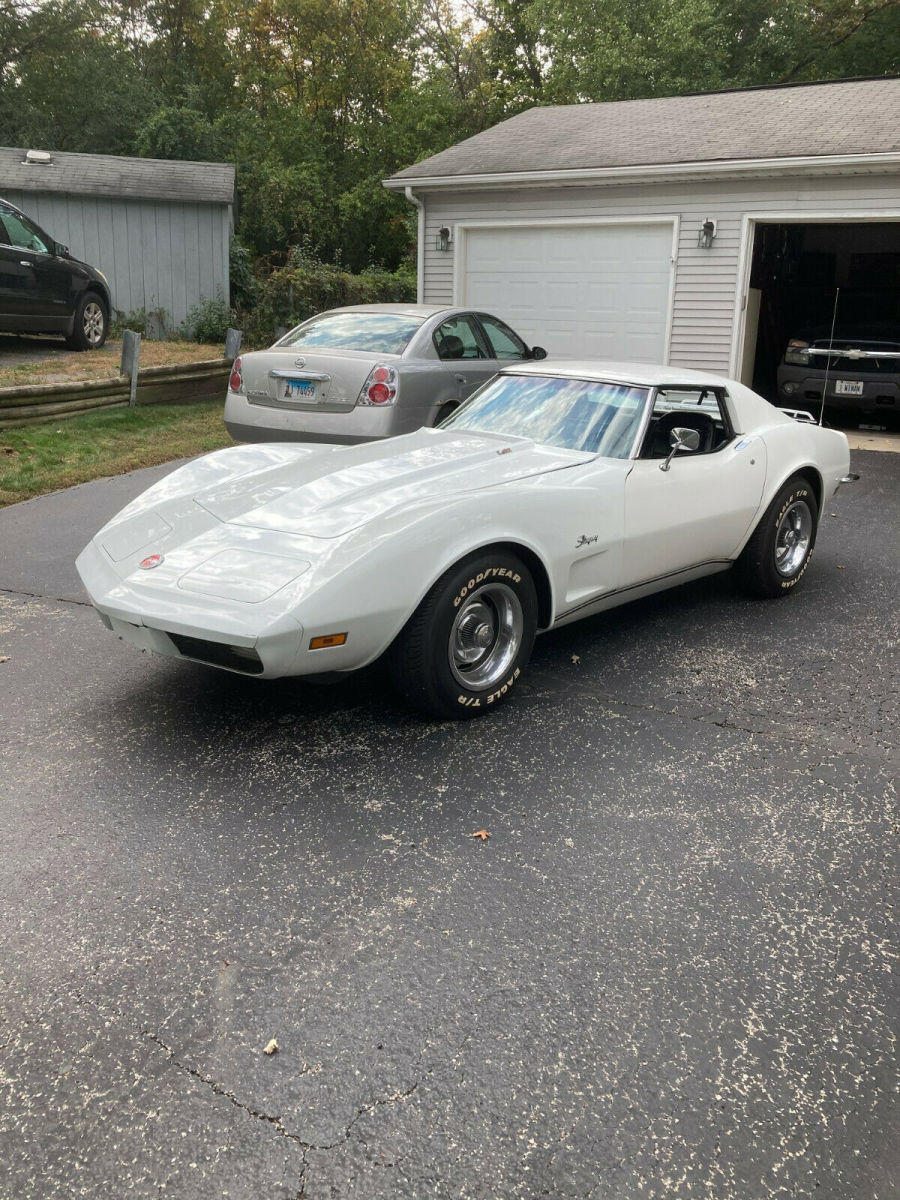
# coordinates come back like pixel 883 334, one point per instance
pixel 43 596
pixel 370 1107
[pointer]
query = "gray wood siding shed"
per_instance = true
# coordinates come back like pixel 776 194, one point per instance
pixel 167 249
pixel 706 281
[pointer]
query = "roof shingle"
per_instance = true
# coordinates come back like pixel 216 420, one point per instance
pixel 110 175
pixel 860 116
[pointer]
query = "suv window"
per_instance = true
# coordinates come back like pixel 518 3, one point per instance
pixel 460 337
pixel 21 233
pixel 506 343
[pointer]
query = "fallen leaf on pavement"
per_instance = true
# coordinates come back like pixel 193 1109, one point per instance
pixel 4 658
pixel 482 833
pixel 272 1047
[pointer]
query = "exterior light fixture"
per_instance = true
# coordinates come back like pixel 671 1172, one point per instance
pixel 444 238
pixel 708 231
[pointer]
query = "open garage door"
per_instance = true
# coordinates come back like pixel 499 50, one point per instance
pixel 582 291
pixel 806 277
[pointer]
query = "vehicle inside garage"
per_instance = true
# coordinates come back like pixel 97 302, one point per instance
pixel 803 277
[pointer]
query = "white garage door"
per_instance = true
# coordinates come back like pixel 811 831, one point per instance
pixel 581 291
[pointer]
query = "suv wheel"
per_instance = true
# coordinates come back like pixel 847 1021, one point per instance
pixel 91 323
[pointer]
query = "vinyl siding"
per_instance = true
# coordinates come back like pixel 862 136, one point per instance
pixel 706 281
pixel 155 254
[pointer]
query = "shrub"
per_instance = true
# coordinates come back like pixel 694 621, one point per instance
pixel 207 321
pixel 305 287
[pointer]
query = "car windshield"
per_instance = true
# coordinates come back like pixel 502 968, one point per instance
pixel 575 414
pixel 383 333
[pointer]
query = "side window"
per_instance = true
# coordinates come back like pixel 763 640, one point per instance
pixel 460 337
pixel 506 344
pixel 22 234
pixel 701 409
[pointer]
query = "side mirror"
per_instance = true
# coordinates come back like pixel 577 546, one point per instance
pixel 60 250
pixel 538 352
pixel 681 439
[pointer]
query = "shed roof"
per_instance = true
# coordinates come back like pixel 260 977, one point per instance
pixel 847 117
pixel 110 175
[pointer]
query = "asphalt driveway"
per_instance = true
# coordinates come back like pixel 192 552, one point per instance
pixel 666 974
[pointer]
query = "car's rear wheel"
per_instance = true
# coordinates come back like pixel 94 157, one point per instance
pixel 464 648
pixel 91 323
pixel 445 410
pixel 776 557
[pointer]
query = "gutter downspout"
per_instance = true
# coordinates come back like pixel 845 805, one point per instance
pixel 420 244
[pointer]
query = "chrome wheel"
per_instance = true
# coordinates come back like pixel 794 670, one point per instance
pixel 486 636
pixel 93 322
pixel 793 539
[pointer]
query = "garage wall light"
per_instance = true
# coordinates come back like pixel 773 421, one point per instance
pixel 708 231
pixel 443 239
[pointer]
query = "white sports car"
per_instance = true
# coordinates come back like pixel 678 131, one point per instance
pixel 551 494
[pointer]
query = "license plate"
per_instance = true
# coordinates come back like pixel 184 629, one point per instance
pixel 299 389
pixel 848 387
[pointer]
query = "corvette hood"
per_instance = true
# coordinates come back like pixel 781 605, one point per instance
pixel 329 493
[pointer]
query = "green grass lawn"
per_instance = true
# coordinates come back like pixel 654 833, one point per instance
pixel 37 459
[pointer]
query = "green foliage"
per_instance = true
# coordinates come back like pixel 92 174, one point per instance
pixel 136 321
pixel 305 287
pixel 207 321
pixel 240 275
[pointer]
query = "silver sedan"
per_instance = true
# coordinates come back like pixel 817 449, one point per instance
pixel 366 372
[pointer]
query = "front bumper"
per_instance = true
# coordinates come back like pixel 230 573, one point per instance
pixel 248 422
pixel 800 387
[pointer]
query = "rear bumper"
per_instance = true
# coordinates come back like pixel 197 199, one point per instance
pixel 256 423
pixel 800 387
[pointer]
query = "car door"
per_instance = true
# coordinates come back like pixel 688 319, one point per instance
pixel 465 352
pixel 698 510
pixel 36 282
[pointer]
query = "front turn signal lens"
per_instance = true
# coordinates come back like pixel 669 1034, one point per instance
pixel 327 639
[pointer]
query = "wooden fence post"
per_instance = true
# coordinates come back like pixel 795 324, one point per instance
pixel 131 352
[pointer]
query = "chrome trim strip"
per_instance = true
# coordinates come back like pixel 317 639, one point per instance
pixel 300 373
pixel 633 587
pixel 644 424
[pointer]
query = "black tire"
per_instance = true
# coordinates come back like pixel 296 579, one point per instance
pixel 445 410
pixel 91 323
pixel 464 648
pixel 776 557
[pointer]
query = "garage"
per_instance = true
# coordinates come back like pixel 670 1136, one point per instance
pixel 568 284
pixel 702 231
pixel 807 278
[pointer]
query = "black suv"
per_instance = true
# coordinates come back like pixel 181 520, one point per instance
pixel 44 290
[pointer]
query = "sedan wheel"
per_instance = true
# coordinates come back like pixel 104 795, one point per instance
pixel 464 648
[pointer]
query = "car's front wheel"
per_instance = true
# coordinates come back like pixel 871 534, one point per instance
pixel 466 645
pixel 91 323
pixel 776 557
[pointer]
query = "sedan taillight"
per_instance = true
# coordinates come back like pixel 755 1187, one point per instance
pixel 381 386
pixel 236 382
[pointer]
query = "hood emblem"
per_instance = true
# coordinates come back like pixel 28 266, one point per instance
pixel 299 362
pixel 151 561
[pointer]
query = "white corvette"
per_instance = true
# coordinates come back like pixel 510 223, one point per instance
pixel 551 494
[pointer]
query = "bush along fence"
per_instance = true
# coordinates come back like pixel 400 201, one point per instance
pixel 186 383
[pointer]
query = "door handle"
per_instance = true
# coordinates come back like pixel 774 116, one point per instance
pixel 460 378
pixel 23 262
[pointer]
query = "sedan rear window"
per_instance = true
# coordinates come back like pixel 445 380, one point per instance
pixel 575 414
pixel 382 333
